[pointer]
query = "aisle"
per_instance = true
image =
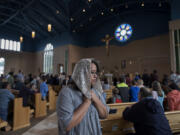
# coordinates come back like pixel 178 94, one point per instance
pixel 47 126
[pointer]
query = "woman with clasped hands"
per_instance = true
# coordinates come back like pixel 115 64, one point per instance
pixel 81 105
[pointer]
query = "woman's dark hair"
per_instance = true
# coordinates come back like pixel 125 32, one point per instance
pixel 97 65
pixel 156 86
pixel 174 86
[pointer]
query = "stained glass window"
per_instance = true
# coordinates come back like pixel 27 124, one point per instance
pixel 48 59
pixel 123 32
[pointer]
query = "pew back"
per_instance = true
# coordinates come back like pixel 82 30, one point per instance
pixel 21 115
pixel 40 106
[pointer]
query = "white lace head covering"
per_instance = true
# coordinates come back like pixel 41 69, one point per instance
pixel 82 77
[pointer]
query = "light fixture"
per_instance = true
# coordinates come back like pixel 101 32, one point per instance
pixel 102 13
pixel 160 4
pixel 126 5
pixel 57 11
pixel 90 18
pixel 33 34
pixel 21 39
pixel 71 19
pixel 142 4
pixel 49 27
pixel 74 31
pixel 112 9
pixel 89 0
pixel 84 10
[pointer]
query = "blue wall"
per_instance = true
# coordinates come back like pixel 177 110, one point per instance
pixel 145 24
pixel 175 10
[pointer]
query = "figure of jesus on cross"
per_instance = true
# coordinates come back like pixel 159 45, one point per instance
pixel 107 39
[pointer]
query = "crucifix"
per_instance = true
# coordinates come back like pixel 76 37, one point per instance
pixel 107 39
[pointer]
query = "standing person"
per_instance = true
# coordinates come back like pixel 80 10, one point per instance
pixel 80 106
pixel 147 115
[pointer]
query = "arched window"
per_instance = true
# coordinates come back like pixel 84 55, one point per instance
pixel 48 59
pixel 2 63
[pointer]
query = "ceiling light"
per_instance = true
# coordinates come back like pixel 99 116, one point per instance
pixel 49 27
pixel 84 10
pixel 89 0
pixel 126 6
pixel 71 19
pixel 21 39
pixel 160 4
pixel 142 4
pixel 57 11
pixel 33 34
pixel 102 13
pixel 112 9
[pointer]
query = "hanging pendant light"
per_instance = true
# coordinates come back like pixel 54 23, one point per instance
pixel 33 34
pixel 21 39
pixel 49 27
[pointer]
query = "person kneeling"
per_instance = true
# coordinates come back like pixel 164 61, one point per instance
pixel 147 115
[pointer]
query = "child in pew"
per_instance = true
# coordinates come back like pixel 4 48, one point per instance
pixel 116 97
pixel 5 97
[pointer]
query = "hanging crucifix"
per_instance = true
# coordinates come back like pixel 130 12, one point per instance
pixel 107 39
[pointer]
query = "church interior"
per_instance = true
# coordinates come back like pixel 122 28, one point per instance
pixel 48 37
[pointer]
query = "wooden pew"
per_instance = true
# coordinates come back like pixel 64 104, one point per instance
pixel 116 125
pixel 119 107
pixel 21 115
pixel 40 106
pixel 109 94
pixel 3 123
pixel 52 98
pixel 174 120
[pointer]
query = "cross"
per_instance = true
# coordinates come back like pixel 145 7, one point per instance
pixel 107 39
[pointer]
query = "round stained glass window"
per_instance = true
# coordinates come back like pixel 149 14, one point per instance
pixel 123 32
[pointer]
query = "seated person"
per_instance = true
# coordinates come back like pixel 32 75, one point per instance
pixel 43 88
pixel 173 98
pixel 116 96
pixel 140 83
pixel 123 89
pixel 134 91
pixel 147 115
pixel 157 92
pixel 26 93
pixel 5 97
pixel 106 86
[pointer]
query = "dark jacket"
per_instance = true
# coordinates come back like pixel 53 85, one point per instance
pixel 148 118
pixel 123 92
